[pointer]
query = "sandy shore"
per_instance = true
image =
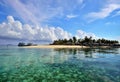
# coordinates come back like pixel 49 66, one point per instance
pixel 56 46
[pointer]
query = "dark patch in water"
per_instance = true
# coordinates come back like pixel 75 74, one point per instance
pixel 4 55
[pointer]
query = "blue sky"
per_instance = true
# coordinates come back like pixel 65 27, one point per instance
pixel 48 20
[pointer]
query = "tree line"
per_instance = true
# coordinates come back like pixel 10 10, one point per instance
pixel 24 44
pixel 86 41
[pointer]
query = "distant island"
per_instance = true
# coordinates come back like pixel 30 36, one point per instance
pixel 87 41
pixel 28 44
pixel 73 42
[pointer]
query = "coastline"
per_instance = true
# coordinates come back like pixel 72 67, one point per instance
pixel 63 46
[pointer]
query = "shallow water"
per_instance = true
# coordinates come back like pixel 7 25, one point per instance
pixel 59 65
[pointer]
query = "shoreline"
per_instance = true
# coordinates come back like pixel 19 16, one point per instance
pixel 63 46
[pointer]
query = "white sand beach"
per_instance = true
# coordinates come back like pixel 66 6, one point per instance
pixel 56 46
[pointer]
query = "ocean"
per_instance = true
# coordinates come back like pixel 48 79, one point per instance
pixel 59 65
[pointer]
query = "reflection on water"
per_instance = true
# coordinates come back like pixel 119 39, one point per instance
pixel 88 52
pixel 59 65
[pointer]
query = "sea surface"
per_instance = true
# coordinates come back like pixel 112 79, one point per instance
pixel 59 65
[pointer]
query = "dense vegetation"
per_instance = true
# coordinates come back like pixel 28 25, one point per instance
pixel 87 41
pixel 23 44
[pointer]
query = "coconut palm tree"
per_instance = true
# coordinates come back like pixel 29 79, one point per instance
pixel 74 39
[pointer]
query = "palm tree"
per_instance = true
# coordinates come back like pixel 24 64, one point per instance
pixel 21 44
pixel 74 39
pixel 86 39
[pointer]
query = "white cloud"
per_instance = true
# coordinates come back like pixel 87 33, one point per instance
pixel 38 11
pixel 117 14
pixel 103 13
pixel 70 16
pixel 17 30
pixel 118 39
pixel 82 34
pixel 114 1
pixel 110 23
pixel 80 1
pixel 10 19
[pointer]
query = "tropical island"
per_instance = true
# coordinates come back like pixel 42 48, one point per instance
pixel 24 44
pixel 86 42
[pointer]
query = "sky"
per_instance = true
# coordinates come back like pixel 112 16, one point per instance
pixel 43 21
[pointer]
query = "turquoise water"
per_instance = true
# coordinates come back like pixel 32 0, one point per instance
pixel 59 65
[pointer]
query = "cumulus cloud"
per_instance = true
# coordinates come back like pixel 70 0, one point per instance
pixel 82 34
pixel 10 19
pixel 103 13
pixel 15 29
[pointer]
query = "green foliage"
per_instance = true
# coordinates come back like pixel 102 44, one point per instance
pixel 74 39
pixel 29 44
pixel 23 44
pixel 87 41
